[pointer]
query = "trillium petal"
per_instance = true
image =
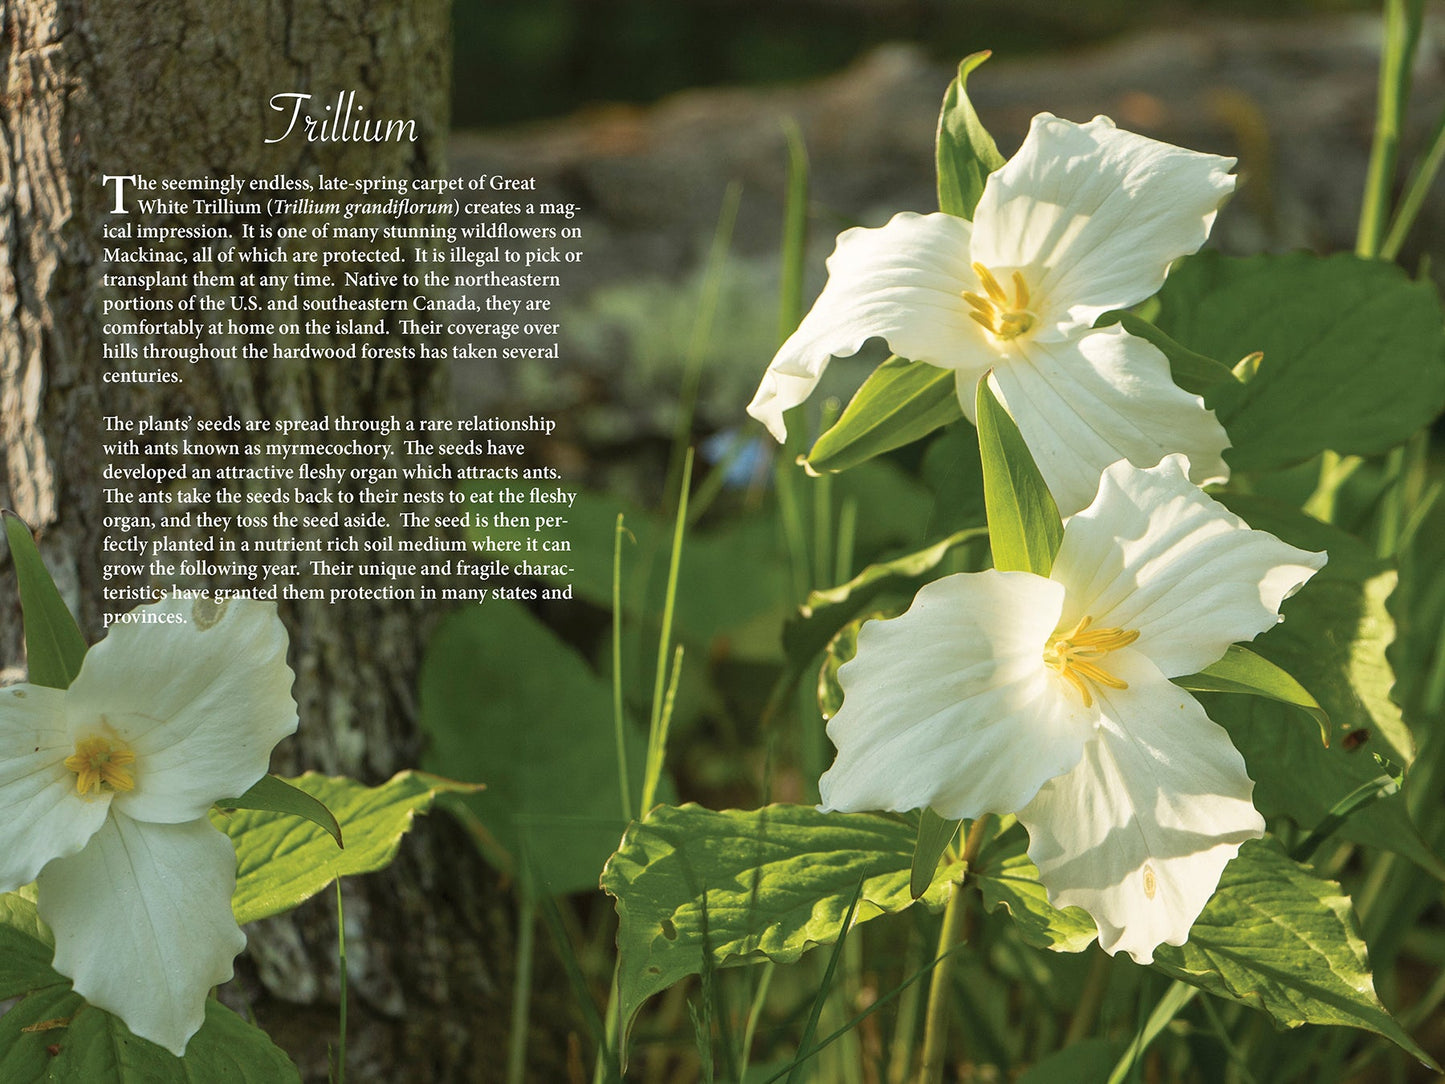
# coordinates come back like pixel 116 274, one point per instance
pixel 1154 553
pixel 903 283
pixel 950 705
pixel 42 815
pixel 143 924
pixel 1093 216
pixel 200 702
pixel 1097 398
pixel 1138 833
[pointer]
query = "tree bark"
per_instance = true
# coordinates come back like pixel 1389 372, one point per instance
pixel 180 88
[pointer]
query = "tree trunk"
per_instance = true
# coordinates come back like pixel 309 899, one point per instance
pixel 180 88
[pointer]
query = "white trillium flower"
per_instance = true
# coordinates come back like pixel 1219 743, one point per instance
pixel 104 791
pixel 1007 692
pixel 1085 218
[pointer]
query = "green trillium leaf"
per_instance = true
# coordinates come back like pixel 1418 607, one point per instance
pixel 282 860
pixel 1353 351
pixel 52 1034
pixel 1193 372
pixel 899 403
pixel 54 648
pixel 1242 671
pixel 273 794
pixel 934 835
pixel 1024 527
pixel 965 152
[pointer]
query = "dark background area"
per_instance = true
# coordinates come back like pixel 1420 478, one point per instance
pixel 518 60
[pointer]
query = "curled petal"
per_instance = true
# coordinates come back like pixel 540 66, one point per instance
pixel 1138 833
pixel 1098 398
pixel 903 283
pixel 201 702
pixel 42 814
pixel 143 924
pixel 950 705
pixel 1154 553
pixel 1093 216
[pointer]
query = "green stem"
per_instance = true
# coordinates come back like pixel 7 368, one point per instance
pixel 341 987
pixel 1402 35
pixel 522 990
pixel 1175 998
pixel 953 934
pixel 619 724
pixel 1092 996
pixel 1422 177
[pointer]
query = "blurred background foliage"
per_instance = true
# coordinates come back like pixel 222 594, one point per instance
pixel 521 60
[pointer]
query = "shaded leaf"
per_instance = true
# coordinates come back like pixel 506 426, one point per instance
pixel 777 882
pixel 507 703
pixel 1279 938
pixel 1333 640
pixel 1354 354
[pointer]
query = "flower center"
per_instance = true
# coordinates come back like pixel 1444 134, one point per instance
pixel 101 764
pixel 1005 319
pixel 1074 653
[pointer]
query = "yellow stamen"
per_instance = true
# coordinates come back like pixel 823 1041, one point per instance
pixel 1004 319
pixel 101 764
pixel 1074 656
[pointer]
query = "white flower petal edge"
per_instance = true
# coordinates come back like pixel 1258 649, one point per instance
pixel 1098 398
pixel 1138 833
pixel 950 705
pixel 1156 554
pixel 903 283
pixel 1093 216
pixel 41 815
pixel 143 923
pixel 201 702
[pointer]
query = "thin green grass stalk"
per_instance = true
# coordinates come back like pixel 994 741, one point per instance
pixel 786 477
pixel 716 477
pixel 340 1076
pixel 810 1029
pixel 522 989
pixel 1096 982
pixel 843 1064
pixel 822 486
pixel 1166 1009
pixel 847 537
pixel 1335 470
pixel 790 313
pixel 669 700
pixel 755 1012
pixel 951 936
pixel 656 734
pixel 1237 1060
pixel 795 232
pixel 900 1062
pixel 1402 35
pixel 619 723
pixel 909 983
pixel 1417 188
pixel 712 280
